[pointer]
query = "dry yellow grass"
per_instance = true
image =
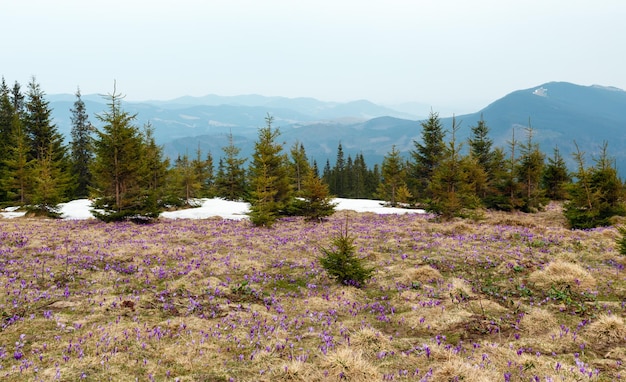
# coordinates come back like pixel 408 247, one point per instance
pixel 456 369
pixel 538 321
pixel 370 341
pixel 422 274
pixel 608 329
pixel 564 274
pixel 294 371
pixel 346 363
pixel 214 300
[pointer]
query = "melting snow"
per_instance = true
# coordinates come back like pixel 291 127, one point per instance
pixel 81 209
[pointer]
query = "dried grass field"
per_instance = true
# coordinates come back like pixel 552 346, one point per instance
pixel 509 297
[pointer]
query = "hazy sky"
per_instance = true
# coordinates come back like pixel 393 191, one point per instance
pixel 445 53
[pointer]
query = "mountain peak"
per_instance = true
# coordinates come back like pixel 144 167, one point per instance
pixel 609 88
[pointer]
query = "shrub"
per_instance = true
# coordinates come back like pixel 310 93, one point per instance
pixel 341 262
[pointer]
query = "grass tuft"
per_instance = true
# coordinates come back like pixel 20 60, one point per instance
pixel 563 274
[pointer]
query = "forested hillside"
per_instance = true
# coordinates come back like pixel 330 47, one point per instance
pixel 110 158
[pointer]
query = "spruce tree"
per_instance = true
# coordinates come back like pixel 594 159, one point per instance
pixel 188 180
pixel 81 148
pixel 360 178
pixel 338 174
pixel 373 178
pixel 119 174
pixel 507 194
pixel 16 181
pixel 299 166
pixel 481 150
pixel 481 145
pixel 529 171
pixel 350 178
pixel 597 195
pixel 17 98
pixel 230 180
pixel 327 176
pixel 556 178
pixel 46 148
pixel 6 136
pixel 204 172
pixel 155 167
pixel 315 169
pixel 264 209
pixel 451 187
pixel 427 155
pixel 316 202
pixel 47 178
pixel 43 134
pixel 394 177
pixel 269 177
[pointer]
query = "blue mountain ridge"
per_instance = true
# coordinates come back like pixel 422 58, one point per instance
pixel 560 114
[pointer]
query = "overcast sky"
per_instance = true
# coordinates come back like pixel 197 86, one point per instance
pixel 462 54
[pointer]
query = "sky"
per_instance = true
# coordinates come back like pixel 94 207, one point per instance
pixel 459 55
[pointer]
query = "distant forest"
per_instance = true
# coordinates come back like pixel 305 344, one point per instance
pixel 121 168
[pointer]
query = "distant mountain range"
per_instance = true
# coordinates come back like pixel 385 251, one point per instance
pixel 559 113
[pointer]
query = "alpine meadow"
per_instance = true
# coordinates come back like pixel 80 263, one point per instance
pixel 500 258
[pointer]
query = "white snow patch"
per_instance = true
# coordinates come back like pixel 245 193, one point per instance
pixel 376 206
pixel 76 209
pixel 81 209
pixel 225 209
pixel 11 212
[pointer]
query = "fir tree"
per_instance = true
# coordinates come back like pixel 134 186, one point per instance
pixel 349 178
pixel 337 176
pixel 191 179
pixel 598 194
pixel 372 178
pixel 188 180
pixel 81 148
pixel 327 176
pixel 6 136
pixel 315 169
pixel 47 177
pixel 18 165
pixel 315 202
pixel 451 188
pixel 269 173
pixel 230 181
pixel 481 150
pixel 155 167
pixel 204 171
pixel 118 169
pixel 17 99
pixel 264 209
pixel 342 263
pixel 43 134
pixel 508 194
pixel 394 177
pixel 481 145
pixel 46 147
pixel 299 166
pixel 427 154
pixel 556 178
pixel 529 171
pixel 360 174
